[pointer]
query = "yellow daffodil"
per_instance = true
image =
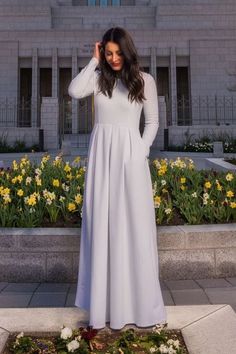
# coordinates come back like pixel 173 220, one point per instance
pixel 77 159
pixel 164 190
pixel 182 180
pixel 56 183
pixel 14 165
pixel 229 194
pixel 7 199
pixel 229 177
pixel 38 181
pixel 5 191
pixel 157 201
pixel 162 171
pixel 20 192
pixel 232 205
pixel 31 200
pixel 67 168
pixel 45 158
pixel 20 178
pixel 71 207
pixel 78 198
pixel 14 180
pixel 207 184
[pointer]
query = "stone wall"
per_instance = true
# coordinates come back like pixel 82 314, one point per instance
pixel 52 254
pixel 178 134
pixel 50 122
pixel 29 135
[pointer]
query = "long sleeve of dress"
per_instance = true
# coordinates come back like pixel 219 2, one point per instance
pixel 83 84
pixel 151 112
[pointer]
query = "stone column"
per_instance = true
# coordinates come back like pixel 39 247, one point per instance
pixel 74 101
pixel 35 121
pixel 55 81
pixel 173 84
pixel 49 122
pixel 153 62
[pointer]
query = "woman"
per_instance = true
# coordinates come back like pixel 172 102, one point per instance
pixel 118 266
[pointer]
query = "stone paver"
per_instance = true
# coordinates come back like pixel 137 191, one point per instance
pixel 232 281
pixel 20 287
pixel 70 300
pixel 175 292
pixel 167 298
pixel 3 285
pixel 73 288
pixel 15 300
pixel 189 297
pixel 222 296
pixel 53 287
pixel 181 284
pixel 48 300
pixel 163 285
pixel 213 283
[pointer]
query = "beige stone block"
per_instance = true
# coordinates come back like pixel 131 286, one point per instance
pixel 187 264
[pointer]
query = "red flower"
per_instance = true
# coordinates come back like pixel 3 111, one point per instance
pixel 88 333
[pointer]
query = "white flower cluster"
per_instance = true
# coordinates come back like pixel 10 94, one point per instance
pixel 73 345
pixel 67 333
pixel 179 163
pixel 154 189
pixel 205 198
pixel 49 196
pixel 20 335
pixel 171 347
pixel 65 187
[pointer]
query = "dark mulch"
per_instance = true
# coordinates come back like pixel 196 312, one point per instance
pixel 104 337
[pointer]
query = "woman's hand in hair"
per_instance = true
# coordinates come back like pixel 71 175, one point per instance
pixel 97 49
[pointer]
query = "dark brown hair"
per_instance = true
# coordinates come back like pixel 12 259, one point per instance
pixel 129 74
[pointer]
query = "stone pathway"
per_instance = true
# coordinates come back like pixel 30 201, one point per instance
pixel 198 158
pixel 175 292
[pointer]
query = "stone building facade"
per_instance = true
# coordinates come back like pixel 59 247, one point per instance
pixel 189 46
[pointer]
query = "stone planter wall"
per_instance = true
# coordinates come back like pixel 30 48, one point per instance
pixel 52 254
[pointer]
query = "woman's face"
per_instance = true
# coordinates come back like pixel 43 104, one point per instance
pixel 114 56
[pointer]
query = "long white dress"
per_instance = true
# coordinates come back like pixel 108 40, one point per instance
pixel 118 264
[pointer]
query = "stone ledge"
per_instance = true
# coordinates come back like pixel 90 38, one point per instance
pixel 206 328
pixel 52 254
pixel 219 164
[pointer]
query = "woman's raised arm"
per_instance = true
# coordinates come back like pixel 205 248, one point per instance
pixel 83 84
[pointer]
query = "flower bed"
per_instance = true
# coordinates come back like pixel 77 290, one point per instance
pixel 87 340
pixel 232 161
pixel 51 193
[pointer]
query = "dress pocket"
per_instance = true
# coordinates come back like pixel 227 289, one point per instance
pixel 145 147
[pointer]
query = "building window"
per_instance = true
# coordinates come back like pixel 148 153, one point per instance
pixel 183 101
pixel 91 2
pixel 24 117
pixel 45 82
